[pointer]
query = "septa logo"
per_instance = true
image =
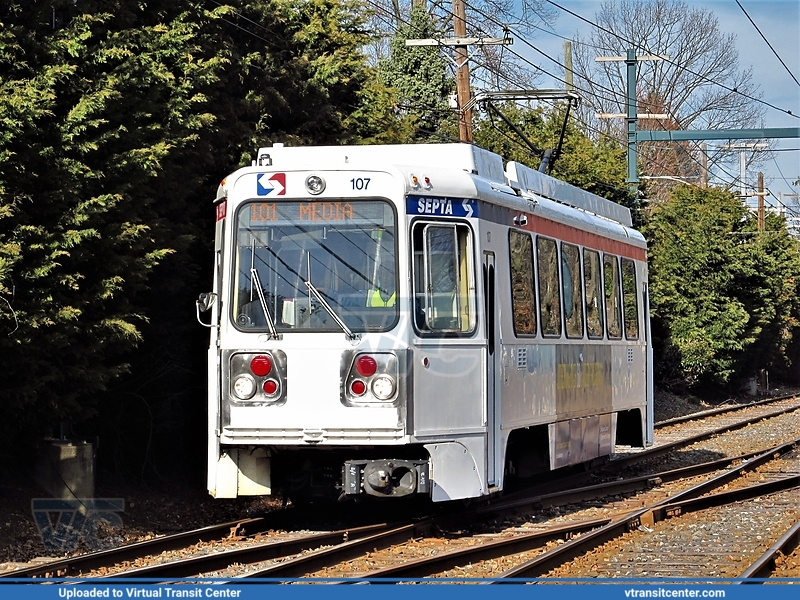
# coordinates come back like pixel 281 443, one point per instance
pixel 271 185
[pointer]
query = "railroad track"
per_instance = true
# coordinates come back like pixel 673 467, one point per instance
pixel 76 565
pixel 332 560
pixel 674 550
pixel 769 563
pixel 307 553
pixel 211 538
pixel 575 540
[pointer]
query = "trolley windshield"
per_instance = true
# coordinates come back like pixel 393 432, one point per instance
pixel 344 248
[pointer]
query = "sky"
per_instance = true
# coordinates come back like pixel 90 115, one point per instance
pixel 778 20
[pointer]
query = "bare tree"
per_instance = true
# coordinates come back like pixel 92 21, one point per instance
pixel 700 85
pixel 492 66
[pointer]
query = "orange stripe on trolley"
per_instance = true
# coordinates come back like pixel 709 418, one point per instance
pixel 579 237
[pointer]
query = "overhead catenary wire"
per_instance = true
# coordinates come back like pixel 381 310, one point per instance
pixel 418 106
pixel 587 126
pixel 715 164
pixel 688 70
pixel 584 123
pixel 767 42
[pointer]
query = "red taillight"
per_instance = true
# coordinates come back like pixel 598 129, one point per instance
pixel 270 387
pixel 358 387
pixel 366 366
pixel 261 365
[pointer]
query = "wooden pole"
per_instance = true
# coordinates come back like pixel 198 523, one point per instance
pixel 462 72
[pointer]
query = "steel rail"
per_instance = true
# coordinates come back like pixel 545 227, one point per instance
pixel 687 501
pixel 591 533
pixel 93 560
pixel 103 558
pixel 423 567
pixel 618 464
pixel 320 559
pixel 612 488
pixel 574 548
pixel 719 411
pixel 660 450
pixel 764 566
pixel 195 565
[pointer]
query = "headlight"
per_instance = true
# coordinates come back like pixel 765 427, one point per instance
pixel 383 387
pixel 244 386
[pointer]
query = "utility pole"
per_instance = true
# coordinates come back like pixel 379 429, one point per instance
pixel 635 136
pixel 760 202
pixel 462 73
pixel 742 147
pixel 631 116
pixel 703 165
pixel 461 63
pixel 568 72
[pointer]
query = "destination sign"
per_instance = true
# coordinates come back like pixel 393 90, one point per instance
pixel 441 207
pixel 275 213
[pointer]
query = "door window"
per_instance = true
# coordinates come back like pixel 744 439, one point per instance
pixel 444 280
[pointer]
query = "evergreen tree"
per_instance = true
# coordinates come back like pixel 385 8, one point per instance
pixel 94 102
pixel 723 295
pixel 117 120
pixel 420 76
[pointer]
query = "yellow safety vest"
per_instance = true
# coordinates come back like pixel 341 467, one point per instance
pixel 374 299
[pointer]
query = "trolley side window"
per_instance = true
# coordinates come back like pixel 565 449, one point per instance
pixel 571 287
pixel 549 296
pixel 444 282
pixel 592 281
pixel 523 297
pixel 612 296
pixel 630 299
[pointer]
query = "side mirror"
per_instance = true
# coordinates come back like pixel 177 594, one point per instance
pixel 204 302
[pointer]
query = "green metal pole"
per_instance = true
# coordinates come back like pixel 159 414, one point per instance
pixel 633 177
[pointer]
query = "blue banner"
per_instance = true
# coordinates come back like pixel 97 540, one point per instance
pixel 441 207
pixel 545 589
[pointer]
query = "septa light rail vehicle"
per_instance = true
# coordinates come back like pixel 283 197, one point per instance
pixel 418 320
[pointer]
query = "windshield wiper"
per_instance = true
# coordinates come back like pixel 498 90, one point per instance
pixel 330 310
pixel 273 333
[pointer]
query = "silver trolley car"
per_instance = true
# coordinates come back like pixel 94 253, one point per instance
pixel 407 320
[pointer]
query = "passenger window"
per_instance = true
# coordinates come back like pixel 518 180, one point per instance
pixel 549 297
pixel 592 283
pixel 611 283
pixel 523 298
pixel 444 284
pixel 630 298
pixel 571 286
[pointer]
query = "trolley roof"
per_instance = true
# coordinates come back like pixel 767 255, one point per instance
pixel 523 180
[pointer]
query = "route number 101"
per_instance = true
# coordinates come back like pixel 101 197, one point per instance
pixel 360 183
